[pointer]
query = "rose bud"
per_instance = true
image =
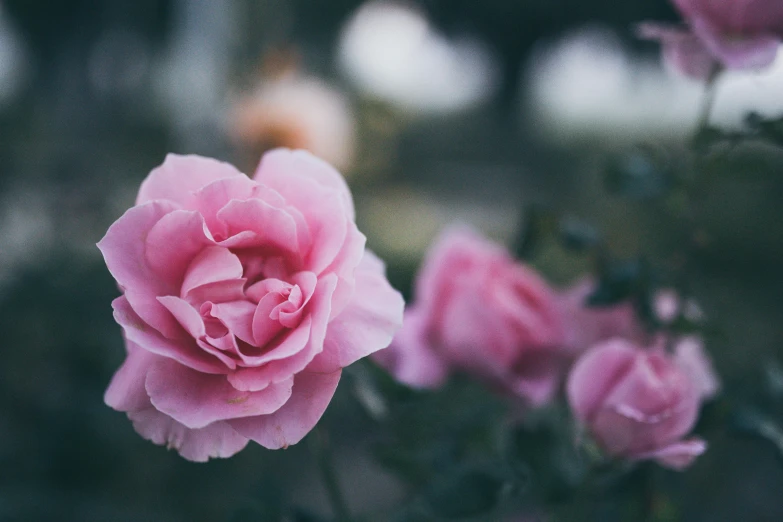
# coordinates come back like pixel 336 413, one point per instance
pixel 637 404
pixel 479 311
pixel 242 300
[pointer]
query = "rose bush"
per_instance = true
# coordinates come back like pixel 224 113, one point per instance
pixel 639 403
pixel 242 300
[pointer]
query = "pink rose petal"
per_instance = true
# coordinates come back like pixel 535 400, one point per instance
pixel 179 177
pixel 288 425
pixel 196 399
pixel 367 324
pixel 218 439
pixel 678 455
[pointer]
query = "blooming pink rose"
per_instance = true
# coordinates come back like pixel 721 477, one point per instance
pixel 735 34
pixel 242 300
pixel 479 311
pixel 637 404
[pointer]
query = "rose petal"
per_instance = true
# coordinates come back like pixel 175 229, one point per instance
pixel 184 351
pixel 179 177
pixel 218 439
pixel 237 316
pixel 210 198
pixel 280 165
pixel 595 374
pixel 344 265
pixel 264 327
pixel 185 314
pixel 682 50
pixel 585 326
pixel 218 292
pixel 123 249
pixel 410 358
pixel 173 242
pixel 274 227
pixel 311 395
pixel 126 391
pixel 197 399
pixel 678 455
pixel 212 265
pixel 655 392
pixel 737 52
pixel 293 359
pixel 368 323
pixel 325 207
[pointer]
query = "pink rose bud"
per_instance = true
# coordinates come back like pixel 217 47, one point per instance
pixel 637 404
pixel 242 301
pixel 479 311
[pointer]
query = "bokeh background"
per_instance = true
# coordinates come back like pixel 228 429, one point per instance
pixel 436 111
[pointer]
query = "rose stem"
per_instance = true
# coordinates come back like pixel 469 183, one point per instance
pixel 708 100
pixel 319 446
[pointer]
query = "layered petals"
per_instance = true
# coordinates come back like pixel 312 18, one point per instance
pixel 288 425
pixel 636 403
pixel 242 301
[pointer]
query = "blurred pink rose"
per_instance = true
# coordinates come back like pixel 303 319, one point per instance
pixel 585 325
pixel 735 34
pixel 242 300
pixel 636 403
pixel 682 50
pixel 479 311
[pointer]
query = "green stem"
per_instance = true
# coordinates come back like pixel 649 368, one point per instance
pixel 708 100
pixel 319 446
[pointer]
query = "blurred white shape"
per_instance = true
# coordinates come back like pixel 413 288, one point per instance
pixel 300 112
pixel 589 85
pixel 740 93
pixel 12 60
pixel 393 53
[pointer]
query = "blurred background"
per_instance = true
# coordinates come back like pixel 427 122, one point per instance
pixel 436 111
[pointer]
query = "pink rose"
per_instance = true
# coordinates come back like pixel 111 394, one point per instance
pixel 242 300
pixel 735 34
pixel 479 311
pixel 637 404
